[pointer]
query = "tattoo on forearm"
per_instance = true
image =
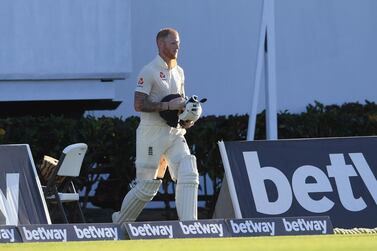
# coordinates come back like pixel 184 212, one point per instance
pixel 143 104
pixel 149 106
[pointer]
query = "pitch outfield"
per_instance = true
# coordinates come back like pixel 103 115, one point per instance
pixel 286 243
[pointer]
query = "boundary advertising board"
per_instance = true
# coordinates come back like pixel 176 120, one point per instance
pixel 304 177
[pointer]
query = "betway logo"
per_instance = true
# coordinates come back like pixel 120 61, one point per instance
pixel 302 225
pixel 45 234
pixel 93 232
pixel 198 228
pixel 146 230
pixel 7 234
pixel 249 226
pixel 339 170
pixel 9 203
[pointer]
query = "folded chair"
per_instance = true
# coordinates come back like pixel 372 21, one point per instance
pixel 60 188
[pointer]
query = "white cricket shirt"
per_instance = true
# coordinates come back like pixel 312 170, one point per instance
pixel 158 81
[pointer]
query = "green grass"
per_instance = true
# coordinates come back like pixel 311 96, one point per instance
pixel 281 243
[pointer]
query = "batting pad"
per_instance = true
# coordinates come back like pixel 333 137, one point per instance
pixel 135 200
pixel 186 194
pixel 187 171
pixel 186 200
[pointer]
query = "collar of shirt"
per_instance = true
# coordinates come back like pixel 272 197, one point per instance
pixel 161 63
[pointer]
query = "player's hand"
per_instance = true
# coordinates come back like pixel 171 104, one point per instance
pixel 186 124
pixel 176 104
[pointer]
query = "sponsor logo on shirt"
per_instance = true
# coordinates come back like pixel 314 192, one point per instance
pixel 140 82
pixel 162 75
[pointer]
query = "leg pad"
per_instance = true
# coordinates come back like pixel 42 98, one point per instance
pixel 136 199
pixel 186 196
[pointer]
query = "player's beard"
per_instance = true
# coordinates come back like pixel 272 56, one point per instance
pixel 170 54
pixel 173 55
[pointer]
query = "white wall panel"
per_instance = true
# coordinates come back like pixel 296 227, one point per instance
pixel 44 39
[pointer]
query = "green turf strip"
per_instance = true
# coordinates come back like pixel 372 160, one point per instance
pixel 281 243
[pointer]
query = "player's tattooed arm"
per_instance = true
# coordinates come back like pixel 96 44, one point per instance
pixel 143 104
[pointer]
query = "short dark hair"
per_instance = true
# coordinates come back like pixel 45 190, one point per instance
pixel 163 33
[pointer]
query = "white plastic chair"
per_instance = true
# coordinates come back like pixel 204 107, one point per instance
pixel 69 166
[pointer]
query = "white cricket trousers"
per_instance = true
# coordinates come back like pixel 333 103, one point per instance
pixel 154 141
